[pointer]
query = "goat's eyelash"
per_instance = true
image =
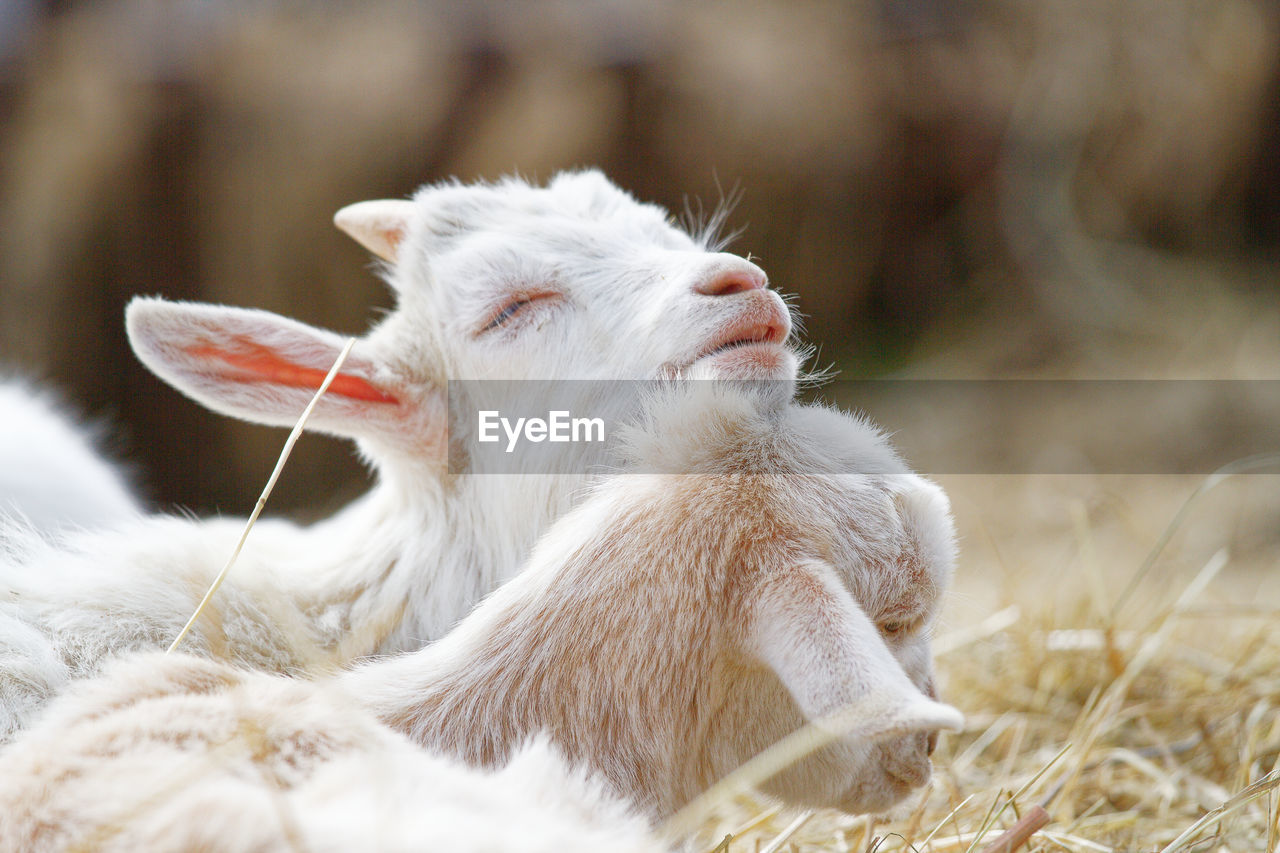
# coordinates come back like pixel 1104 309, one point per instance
pixel 903 626
pixel 514 307
pixel 509 310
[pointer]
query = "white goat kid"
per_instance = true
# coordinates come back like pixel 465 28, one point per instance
pixel 772 567
pixel 509 281
pixel 52 475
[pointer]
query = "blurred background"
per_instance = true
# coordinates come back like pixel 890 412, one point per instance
pixel 953 188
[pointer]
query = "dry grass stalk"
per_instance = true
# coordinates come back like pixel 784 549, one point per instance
pixel 266 492
pixel 1261 788
pixel 783 837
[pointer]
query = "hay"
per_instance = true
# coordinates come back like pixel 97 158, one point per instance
pixel 1153 726
pixel 1182 758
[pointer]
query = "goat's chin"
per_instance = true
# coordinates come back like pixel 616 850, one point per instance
pixel 898 766
pixel 756 361
pixel 855 777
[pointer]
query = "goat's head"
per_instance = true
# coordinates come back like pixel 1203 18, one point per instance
pixel 836 557
pixel 576 280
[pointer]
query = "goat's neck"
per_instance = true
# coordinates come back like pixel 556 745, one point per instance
pixel 401 565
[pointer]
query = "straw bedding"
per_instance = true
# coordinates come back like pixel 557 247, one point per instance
pixel 1137 701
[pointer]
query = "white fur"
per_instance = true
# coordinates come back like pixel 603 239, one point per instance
pixel 621 294
pixel 51 473
pixel 663 632
pixel 183 754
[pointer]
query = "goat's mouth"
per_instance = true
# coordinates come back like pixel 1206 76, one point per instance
pixel 743 335
pixel 907 776
pixel 752 347
pixel 749 344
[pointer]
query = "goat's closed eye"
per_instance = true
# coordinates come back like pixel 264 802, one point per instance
pixel 508 311
pixel 514 307
pixel 900 627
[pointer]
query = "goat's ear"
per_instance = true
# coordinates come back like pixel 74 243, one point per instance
pixel 378 225
pixel 809 630
pixel 265 368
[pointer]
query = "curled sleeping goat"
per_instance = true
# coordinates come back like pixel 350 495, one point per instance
pixel 761 566
pixel 765 565
pixel 575 280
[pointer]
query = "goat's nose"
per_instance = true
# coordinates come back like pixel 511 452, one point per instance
pixel 726 282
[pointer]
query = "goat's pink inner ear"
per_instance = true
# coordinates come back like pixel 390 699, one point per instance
pixel 253 362
pixel 392 237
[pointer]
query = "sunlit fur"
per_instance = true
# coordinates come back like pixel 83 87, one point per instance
pixel 401 565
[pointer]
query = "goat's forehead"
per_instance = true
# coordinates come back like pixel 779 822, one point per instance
pixel 884 551
pixel 571 208
pixel 829 516
pixel 845 511
pixel 894 552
